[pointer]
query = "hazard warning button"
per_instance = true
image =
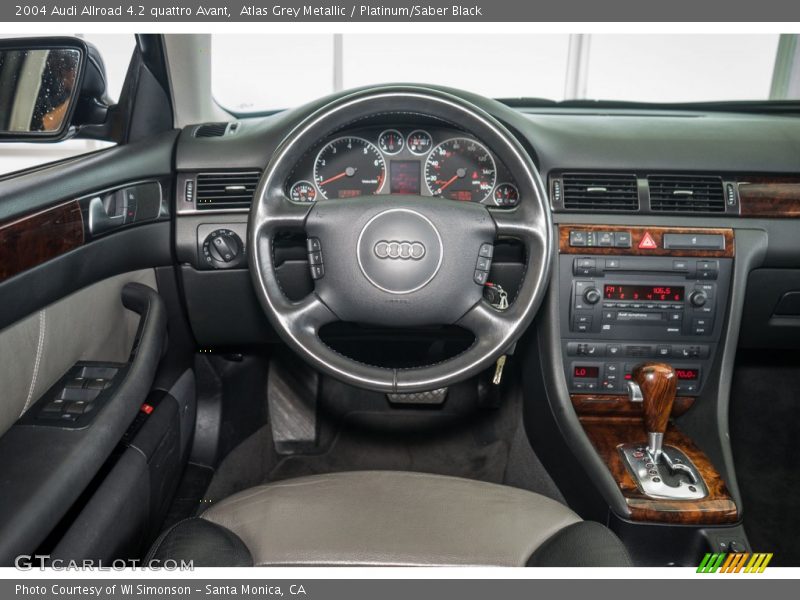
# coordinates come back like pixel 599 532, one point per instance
pixel 647 242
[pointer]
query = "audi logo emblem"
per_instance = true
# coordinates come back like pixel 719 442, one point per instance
pixel 394 250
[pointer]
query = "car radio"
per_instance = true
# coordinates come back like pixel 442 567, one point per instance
pixel 625 310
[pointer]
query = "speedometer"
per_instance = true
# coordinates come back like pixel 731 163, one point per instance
pixel 460 169
pixel 348 167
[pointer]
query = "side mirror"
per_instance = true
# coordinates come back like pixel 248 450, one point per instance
pixel 49 87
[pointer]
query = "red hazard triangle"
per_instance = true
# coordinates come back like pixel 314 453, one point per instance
pixel 647 243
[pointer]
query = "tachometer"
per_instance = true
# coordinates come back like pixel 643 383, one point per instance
pixel 348 167
pixel 460 169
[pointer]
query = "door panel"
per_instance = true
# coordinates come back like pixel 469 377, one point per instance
pixel 90 324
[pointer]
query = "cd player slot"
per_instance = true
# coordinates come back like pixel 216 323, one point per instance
pixel 598 266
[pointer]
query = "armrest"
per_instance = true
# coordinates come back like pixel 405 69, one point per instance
pixel 45 469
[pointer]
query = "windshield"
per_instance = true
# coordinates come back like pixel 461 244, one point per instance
pixel 254 73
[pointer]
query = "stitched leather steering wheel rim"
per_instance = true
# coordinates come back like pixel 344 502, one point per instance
pixel 342 225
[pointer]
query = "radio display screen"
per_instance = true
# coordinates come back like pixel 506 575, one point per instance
pixel 588 372
pixel 654 293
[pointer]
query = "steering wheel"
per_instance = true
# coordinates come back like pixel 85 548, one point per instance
pixel 399 260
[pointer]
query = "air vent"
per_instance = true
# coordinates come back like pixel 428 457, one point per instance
pixel 686 193
pixel 226 190
pixel 211 130
pixel 600 191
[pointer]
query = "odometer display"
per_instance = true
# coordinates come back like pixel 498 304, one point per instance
pixel 349 167
pixel 460 169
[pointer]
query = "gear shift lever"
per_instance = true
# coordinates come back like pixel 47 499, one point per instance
pixel 660 471
pixel 657 381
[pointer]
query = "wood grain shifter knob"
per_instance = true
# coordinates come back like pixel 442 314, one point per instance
pixel 658 383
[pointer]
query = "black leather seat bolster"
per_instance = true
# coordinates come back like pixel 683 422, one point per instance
pixel 203 542
pixel 584 544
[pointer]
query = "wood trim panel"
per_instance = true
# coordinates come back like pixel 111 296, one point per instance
pixel 597 405
pixel 34 239
pixel 608 433
pixel 637 233
pixel 771 197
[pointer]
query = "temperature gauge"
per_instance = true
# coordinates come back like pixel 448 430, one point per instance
pixel 391 141
pixel 506 194
pixel 303 191
pixel 419 142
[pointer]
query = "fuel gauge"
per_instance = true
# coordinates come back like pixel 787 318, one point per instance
pixel 419 142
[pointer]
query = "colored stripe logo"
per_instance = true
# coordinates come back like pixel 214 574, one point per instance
pixel 734 562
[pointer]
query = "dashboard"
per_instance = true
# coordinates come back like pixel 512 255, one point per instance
pixel 403 159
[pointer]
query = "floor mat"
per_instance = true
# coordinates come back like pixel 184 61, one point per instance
pixel 367 441
pixel 764 431
pixel 461 440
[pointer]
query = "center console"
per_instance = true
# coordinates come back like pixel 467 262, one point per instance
pixel 628 304
pixel 642 314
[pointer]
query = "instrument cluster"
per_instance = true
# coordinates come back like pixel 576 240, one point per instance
pixel 406 160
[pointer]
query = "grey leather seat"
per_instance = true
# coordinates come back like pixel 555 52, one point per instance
pixel 389 518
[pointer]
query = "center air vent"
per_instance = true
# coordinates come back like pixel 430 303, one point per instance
pixel 686 193
pixel 600 191
pixel 226 190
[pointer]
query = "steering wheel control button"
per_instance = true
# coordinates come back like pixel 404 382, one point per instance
pixel 315 263
pixel 399 251
pixel 484 264
pixel 313 245
pixel 317 272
